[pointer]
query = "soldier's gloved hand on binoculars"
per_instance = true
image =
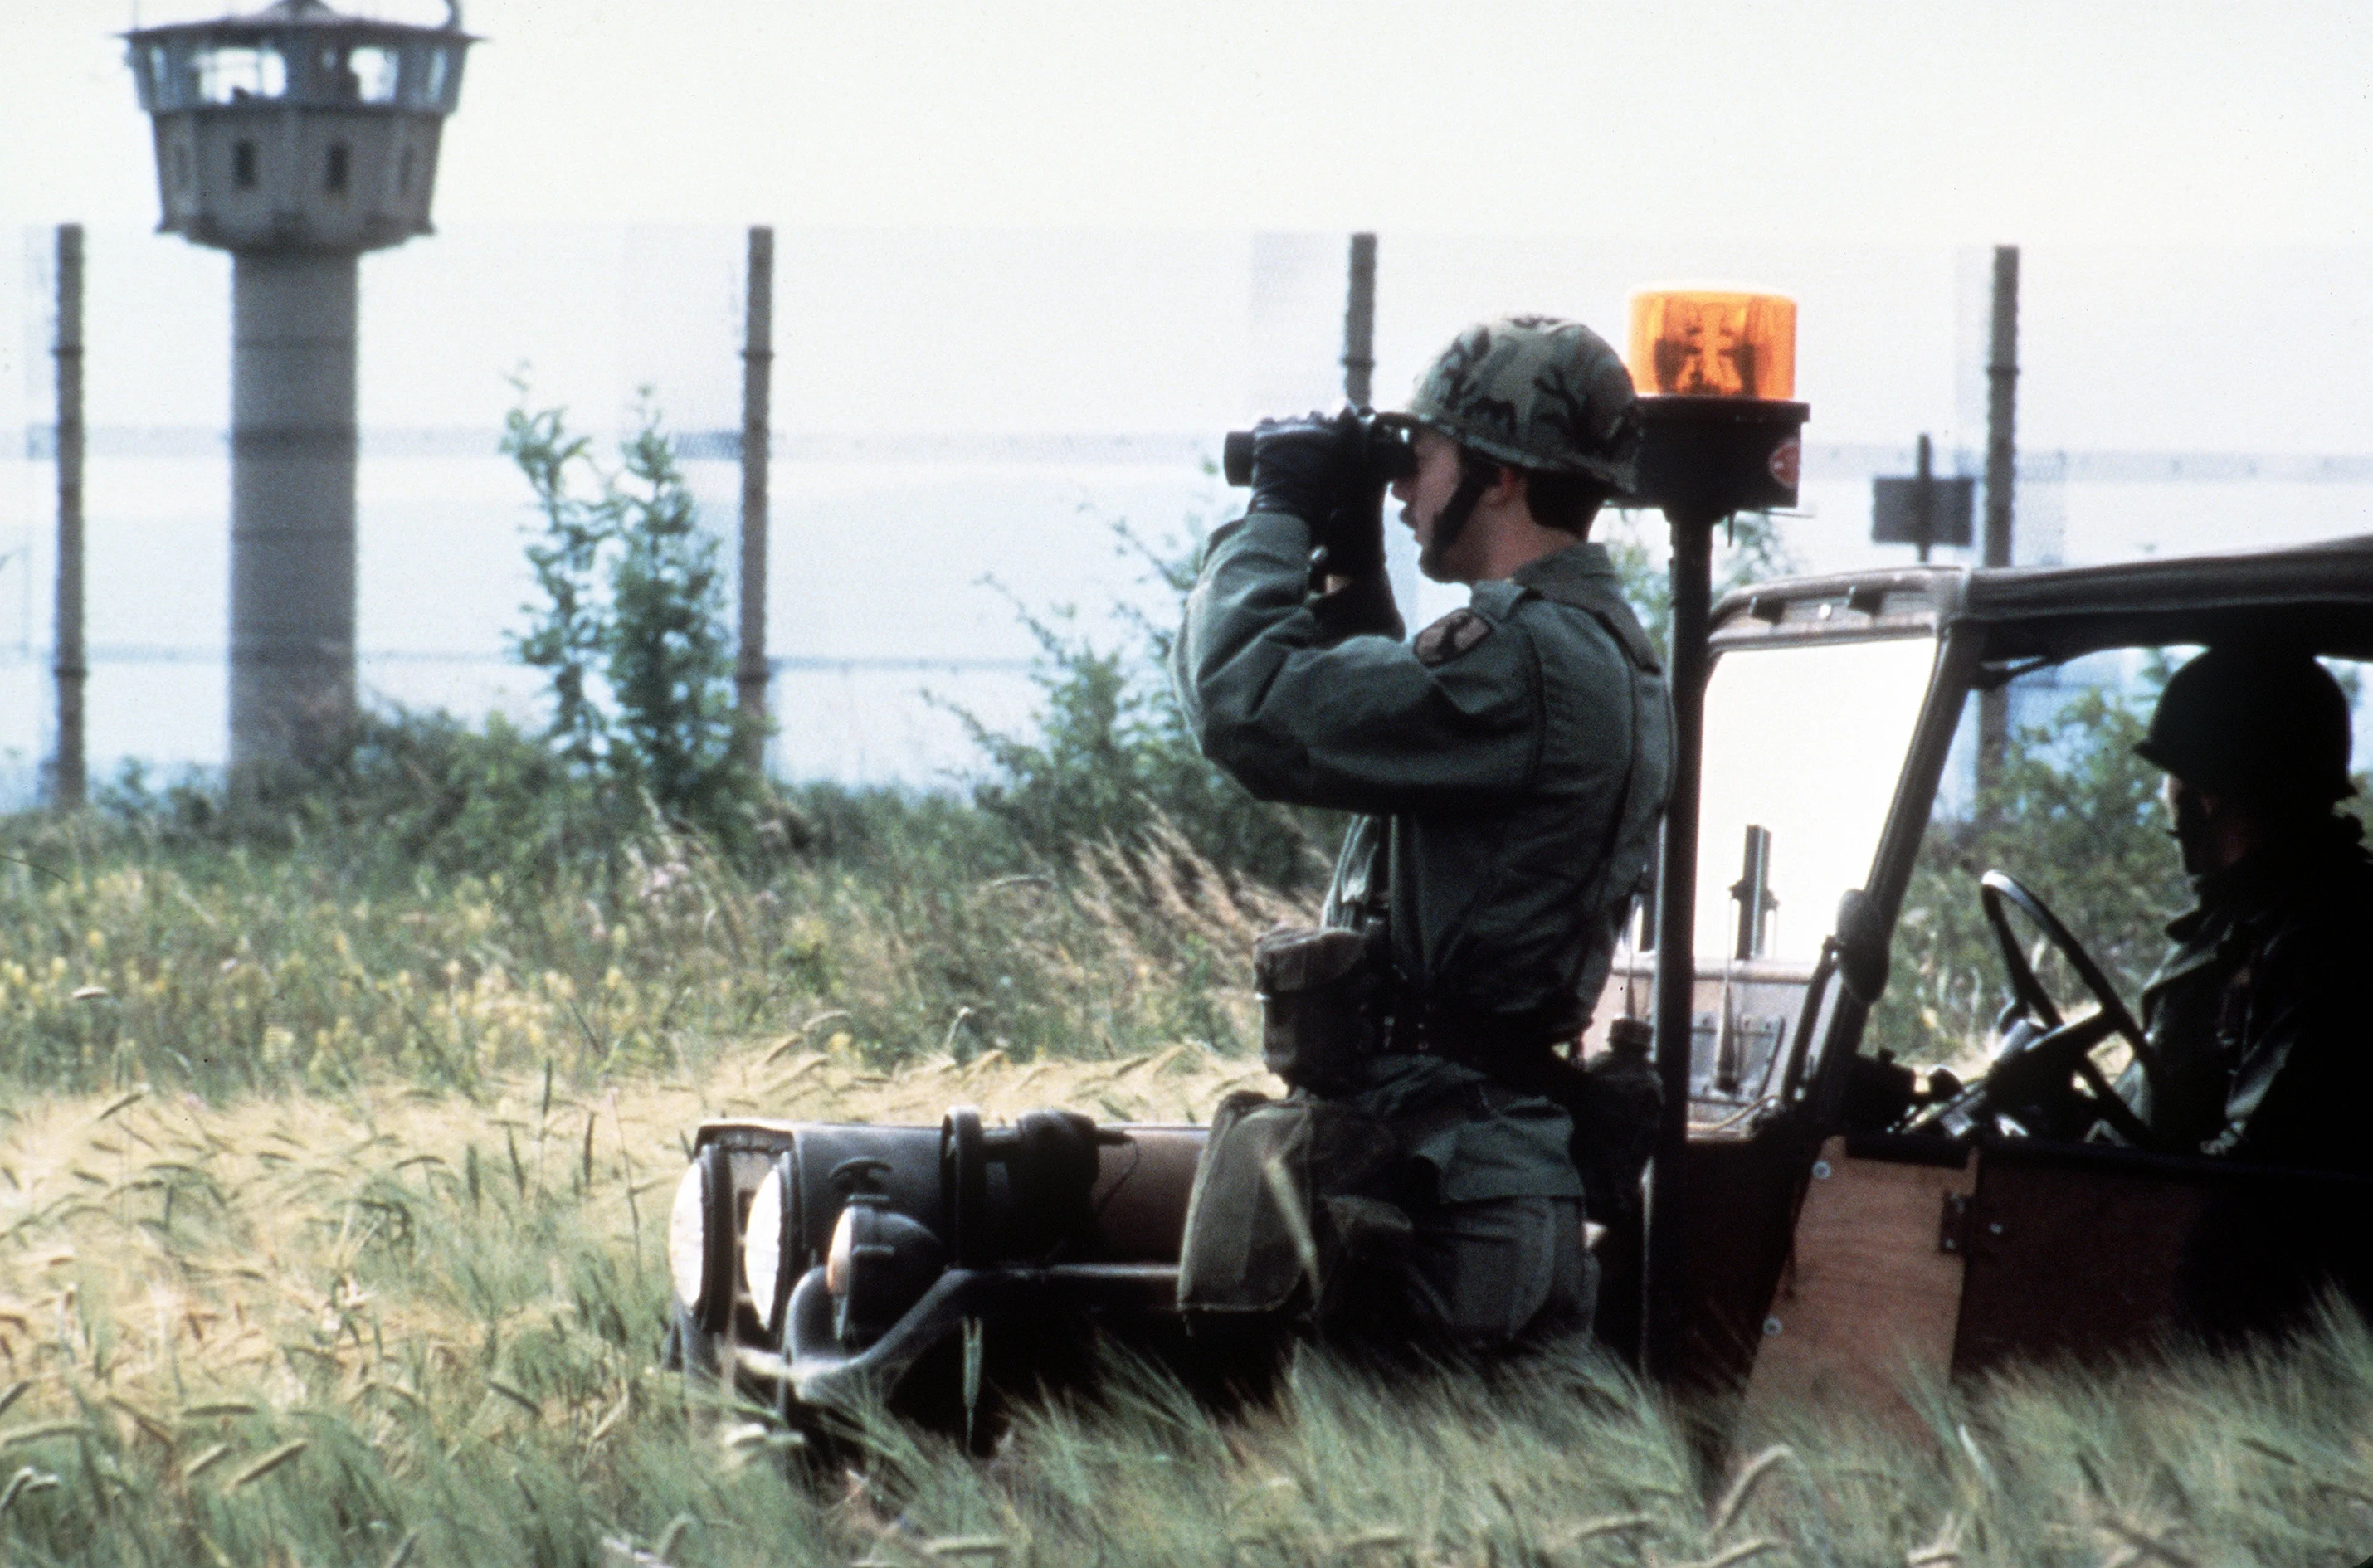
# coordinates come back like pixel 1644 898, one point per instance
pixel 1312 468
pixel 1299 466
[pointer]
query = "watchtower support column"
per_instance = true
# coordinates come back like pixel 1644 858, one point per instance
pixel 292 553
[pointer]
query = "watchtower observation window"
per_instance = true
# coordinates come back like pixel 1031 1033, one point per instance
pixel 234 74
pixel 375 72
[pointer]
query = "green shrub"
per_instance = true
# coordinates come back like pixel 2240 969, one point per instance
pixel 403 795
pixel 1111 762
pixel 1748 549
pixel 631 630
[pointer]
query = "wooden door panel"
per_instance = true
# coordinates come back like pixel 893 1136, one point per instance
pixel 2083 1250
pixel 2070 1262
pixel 1867 1299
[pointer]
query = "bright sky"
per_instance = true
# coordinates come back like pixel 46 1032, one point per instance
pixel 2189 122
pixel 2190 183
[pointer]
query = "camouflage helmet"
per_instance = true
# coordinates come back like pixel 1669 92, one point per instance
pixel 1537 391
pixel 2267 723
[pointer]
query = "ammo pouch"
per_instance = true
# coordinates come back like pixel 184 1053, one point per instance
pixel 1284 1208
pixel 1321 1003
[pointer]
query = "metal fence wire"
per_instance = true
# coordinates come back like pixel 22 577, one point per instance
pixel 962 420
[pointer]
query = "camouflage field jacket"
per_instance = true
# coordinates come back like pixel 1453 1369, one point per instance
pixel 1513 759
pixel 2258 1013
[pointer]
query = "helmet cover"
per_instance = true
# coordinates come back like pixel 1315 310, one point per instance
pixel 1537 391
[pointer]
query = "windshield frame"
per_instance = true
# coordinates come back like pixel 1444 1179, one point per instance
pixel 1913 604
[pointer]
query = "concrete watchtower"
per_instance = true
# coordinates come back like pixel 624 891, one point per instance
pixel 296 139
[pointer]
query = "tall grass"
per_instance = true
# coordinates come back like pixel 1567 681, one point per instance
pixel 312 1329
pixel 454 1305
pixel 331 1193
pixel 141 954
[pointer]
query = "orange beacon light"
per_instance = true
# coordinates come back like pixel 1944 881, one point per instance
pixel 1698 342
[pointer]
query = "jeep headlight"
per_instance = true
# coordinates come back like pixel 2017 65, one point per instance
pixel 688 1238
pixel 700 1240
pixel 762 1245
pixel 879 1264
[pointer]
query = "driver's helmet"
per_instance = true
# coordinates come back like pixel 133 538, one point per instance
pixel 1537 391
pixel 2258 722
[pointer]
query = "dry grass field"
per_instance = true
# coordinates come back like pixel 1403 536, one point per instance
pixel 216 1319
pixel 331 1215
pixel 400 1325
pixel 387 1240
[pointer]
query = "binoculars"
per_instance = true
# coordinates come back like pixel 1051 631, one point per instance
pixel 1385 453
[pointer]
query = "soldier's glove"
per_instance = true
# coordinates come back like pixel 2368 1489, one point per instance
pixel 1303 467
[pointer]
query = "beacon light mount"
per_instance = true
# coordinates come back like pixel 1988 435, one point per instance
pixel 1715 369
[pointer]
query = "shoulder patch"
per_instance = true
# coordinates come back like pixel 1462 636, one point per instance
pixel 1450 637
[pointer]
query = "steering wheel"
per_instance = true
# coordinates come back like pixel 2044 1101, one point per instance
pixel 2040 1073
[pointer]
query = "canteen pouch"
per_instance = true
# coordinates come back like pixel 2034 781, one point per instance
pixel 1321 997
pixel 1283 1200
pixel 1616 1115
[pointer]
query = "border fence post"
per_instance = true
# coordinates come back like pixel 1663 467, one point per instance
pixel 2002 487
pixel 68 665
pixel 1359 323
pixel 757 372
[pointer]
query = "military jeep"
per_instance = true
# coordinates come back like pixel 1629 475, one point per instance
pixel 1840 1219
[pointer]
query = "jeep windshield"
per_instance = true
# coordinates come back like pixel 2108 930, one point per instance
pixel 1802 748
pixel 1811 708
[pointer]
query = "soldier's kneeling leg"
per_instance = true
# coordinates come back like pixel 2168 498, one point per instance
pixel 1484 1277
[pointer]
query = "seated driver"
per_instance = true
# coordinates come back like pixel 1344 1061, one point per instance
pixel 2259 1018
